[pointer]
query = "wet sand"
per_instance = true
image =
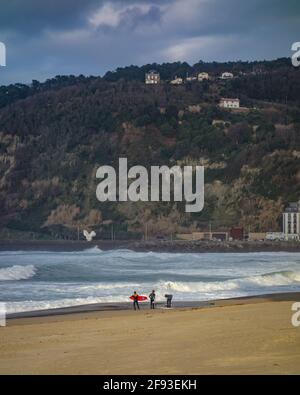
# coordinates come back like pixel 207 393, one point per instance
pixel 238 336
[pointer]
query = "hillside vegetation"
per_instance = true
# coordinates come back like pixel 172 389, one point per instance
pixel 54 135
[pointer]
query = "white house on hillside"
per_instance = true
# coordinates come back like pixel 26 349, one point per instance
pixel 177 81
pixel 191 78
pixel 230 103
pixel 226 76
pixel 152 77
pixel 203 76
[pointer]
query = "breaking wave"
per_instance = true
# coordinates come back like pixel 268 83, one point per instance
pixel 15 273
pixel 264 280
pixel 16 307
pixel 63 279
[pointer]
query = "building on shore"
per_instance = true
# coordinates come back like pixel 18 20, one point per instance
pixel 257 236
pixel 219 236
pixel 193 236
pixel 203 76
pixel 204 236
pixel 152 78
pixel 229 103
pixel 237 233
pixel 291 221
pixel 275 236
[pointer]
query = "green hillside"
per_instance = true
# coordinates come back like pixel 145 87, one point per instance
pixel 54 135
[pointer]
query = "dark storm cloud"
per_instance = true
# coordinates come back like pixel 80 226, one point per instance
pixel 31 16
pixel 45 38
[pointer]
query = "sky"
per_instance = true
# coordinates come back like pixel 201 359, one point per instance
pixel 44 38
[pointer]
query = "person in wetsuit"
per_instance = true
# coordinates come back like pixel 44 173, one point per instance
pixel 152 299
pixel 135 297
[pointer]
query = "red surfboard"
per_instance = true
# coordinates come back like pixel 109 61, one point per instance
pixel 141 298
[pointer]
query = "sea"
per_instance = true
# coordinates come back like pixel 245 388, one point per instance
pixel 39 280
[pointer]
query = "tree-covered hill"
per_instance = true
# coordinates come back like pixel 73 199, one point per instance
pixel 54 135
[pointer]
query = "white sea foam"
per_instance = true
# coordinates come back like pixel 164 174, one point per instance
pixel 92 250
pixel 16 307
pixel 17 272
pixel 276 278
pixel 95 276
pixel 265 280
pixel 181 290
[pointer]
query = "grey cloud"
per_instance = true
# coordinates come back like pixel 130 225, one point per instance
pixel 32 16
pixel 45 38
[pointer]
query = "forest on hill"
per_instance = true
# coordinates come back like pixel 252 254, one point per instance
pixel 54 135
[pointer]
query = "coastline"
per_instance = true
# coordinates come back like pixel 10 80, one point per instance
pixel 151 246
pixel 113 307
pixel 237 336
pixel 243 335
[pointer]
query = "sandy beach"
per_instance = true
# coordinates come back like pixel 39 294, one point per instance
pixel 240 336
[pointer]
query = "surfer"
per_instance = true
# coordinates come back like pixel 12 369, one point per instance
pixel 152 299
pixel 135 298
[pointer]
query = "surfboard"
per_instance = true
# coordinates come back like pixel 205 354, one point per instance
pixel 141 298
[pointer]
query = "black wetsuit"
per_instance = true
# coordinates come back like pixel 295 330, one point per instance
pixel 152 300
pixel 136 302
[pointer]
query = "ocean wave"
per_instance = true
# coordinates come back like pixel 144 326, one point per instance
pixel 264 280
pixel 91 250
pixel 196 287
pixel 276 278
pixel 85 294
pixel 16 272
pixel 62 279
pixel 108 286
pixel 17 307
